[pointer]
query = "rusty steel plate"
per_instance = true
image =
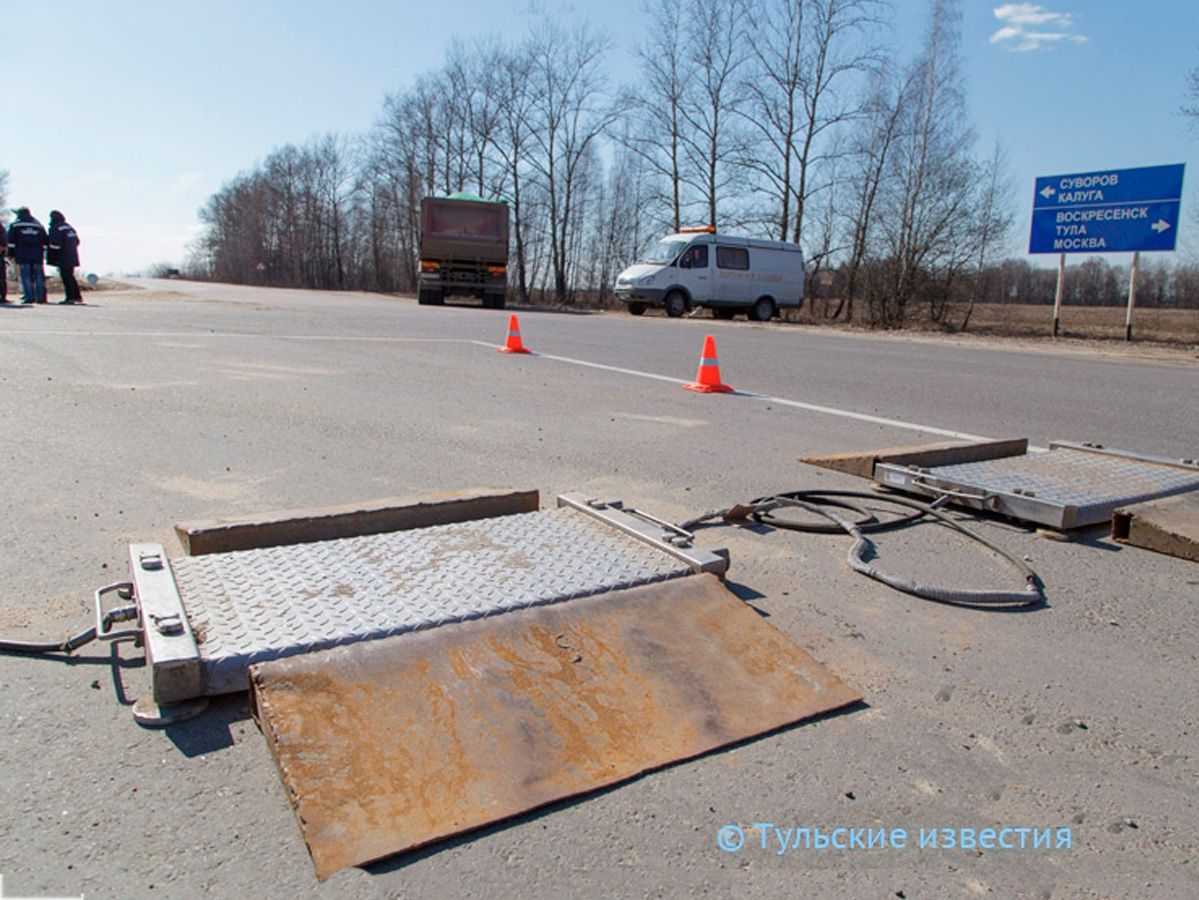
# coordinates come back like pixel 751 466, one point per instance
pixel 387 745
pixel 1169 526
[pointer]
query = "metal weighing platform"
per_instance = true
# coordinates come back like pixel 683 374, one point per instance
pixel 205 620
pixel 421 683
pixel 1070 486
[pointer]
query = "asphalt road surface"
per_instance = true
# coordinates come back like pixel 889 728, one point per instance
pixel 184 402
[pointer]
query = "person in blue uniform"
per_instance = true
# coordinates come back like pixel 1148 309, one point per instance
pixel 63 251
pixel 28 238
pixel 3 266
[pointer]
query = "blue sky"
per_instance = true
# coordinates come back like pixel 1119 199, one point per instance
pixel 138 111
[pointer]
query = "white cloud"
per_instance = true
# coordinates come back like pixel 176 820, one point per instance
pixel 1029 14
pixel 1019 19
pixel 1004 33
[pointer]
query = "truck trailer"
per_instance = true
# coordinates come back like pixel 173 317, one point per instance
pixel 463 250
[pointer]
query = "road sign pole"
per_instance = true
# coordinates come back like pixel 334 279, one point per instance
pixel 1057 295
pixel 1132 296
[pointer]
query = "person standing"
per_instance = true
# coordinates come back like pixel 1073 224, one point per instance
pixel 28 240
pixel 63 251
pixel 3 266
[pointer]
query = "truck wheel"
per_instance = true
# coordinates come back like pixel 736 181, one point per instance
pixel 723 312
pixel 636 309
pixel 493 301
pixel 675 304
pixel 762 310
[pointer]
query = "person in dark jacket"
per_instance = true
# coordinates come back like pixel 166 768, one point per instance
pixel 63 251
pixel 28 239
pixel 3 266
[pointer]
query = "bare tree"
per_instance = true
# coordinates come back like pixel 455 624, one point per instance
pixel 825 238
pixel 1094 282
pixel 804 50
pixel 716 51
pixel 569 114
pixel 993 220
pixel 657 102
pixel 774 110
pixel 1190 106
pixel 932 174
pixel 1190 109
pixel 617 231
pixel 335 187
pixel 391 178
pixel 511 145
pixel 289 221
pixel 872 143
pixel 1184 286
pixel 476 72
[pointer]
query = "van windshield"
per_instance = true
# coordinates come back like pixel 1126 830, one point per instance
pixel 664 252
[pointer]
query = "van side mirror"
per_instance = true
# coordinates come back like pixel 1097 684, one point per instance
pixel 685 261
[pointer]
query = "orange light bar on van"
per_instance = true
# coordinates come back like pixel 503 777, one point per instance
pixel 497 270
pixel 698 229
pixel 427 265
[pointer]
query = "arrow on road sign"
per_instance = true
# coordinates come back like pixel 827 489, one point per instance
pixel 1047 192
pixel 1160 225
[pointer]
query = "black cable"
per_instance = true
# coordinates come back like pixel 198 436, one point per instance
pixel 41 648
pixel 868 523
pixel 71 644
pixel 815 502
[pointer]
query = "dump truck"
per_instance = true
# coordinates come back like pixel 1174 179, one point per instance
pixel 463 250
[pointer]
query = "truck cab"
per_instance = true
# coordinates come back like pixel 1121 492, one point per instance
pixel 697 267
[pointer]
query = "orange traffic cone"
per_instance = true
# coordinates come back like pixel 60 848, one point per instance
pixel 707 380
pixel 513 344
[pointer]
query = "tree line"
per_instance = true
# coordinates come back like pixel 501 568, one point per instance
pixel 785 119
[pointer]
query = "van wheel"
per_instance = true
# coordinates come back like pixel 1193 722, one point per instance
pixel 675 304
pixel 762 310
pixel 723 312
pixel 636 309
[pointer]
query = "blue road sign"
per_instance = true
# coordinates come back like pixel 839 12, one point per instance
pixel 1116 211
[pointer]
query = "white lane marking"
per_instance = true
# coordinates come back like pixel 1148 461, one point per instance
pixel 618 369
pixel 864 417
pixel 782 401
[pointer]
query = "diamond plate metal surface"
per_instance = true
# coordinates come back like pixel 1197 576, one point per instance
pixel 254 605
pixel 1090 485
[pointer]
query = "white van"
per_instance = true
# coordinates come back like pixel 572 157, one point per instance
pixel 728 275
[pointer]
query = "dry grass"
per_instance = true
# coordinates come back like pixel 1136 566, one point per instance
pixel 1166 326
pixel 1179 326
